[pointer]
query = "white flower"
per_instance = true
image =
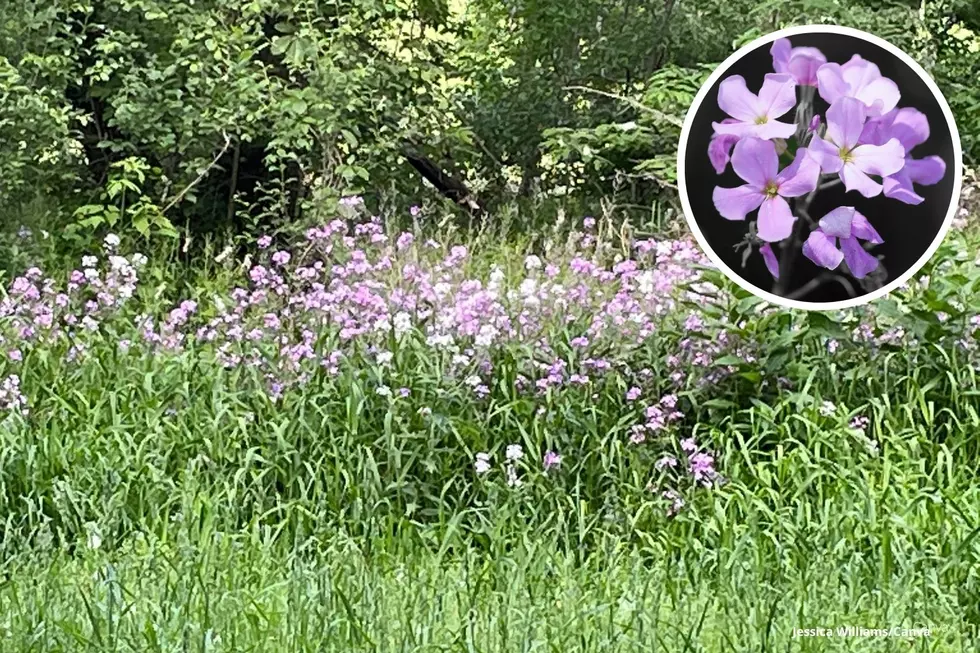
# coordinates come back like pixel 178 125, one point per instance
pixel 482 463
pixel 532 262
pixel 89 261
pixel 385 357
pixel 827 409
pixel 486 335
pixel 94 536
pixel 118 263
pixel 529 287
pixel 512 478
pixel 514 452
pixel 383 390
pixel 473 381
pixel 441 289
pixel 111 241
pixel 402 322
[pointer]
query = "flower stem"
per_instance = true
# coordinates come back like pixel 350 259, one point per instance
pixel 791 247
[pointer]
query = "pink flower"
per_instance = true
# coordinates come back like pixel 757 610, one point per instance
pixel 551 459
pixel 755 115
pixel 846 224
pixel 861 80
pixel 842 152
pixel 756 162
pixel 911 128
pixel 801 63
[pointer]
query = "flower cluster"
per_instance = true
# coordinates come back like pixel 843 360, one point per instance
pixel 864 141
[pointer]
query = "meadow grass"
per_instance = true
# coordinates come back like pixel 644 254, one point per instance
pixel 155 499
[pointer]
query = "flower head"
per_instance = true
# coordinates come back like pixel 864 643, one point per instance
pixel 801 63
pixel 482 463
pixel 842 152
pixel 756 161
pixel 859 79
pixel 551 459
pixel 755 115
pixel 846 224
pixel 910 127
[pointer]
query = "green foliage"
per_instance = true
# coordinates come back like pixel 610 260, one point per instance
pixel 124 206
pixel 257 112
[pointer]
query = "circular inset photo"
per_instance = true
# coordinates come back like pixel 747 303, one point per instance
pixel 819 167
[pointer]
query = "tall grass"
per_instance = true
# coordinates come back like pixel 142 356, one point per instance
pixel 165 495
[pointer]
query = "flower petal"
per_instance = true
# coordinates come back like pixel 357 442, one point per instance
pixel 804 67
pixel 854 179
pixel 899 187
pixel 910 126
pixel 859 72
pixel 837 223
pixel 877 131
pixel 822 250
pixel 775 220
pixel 781 52
pixel 772 264
pixel 778 95
pixel 845 122
pixel 861 228
pixel 735 128
pixel 830 82
pixel 881 96
pixel 756 161
pixel 736 100
pixel 720 149
pixel 859 262
pixel 825 154
pixel 800 177
pixel 882 160
pixel 774 129
pixel 736 203
pixel 927 171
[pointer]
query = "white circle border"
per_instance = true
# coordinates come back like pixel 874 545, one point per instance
pixel 682 175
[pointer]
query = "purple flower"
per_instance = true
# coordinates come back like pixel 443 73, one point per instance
pixel 703 467
pixel 911 128
pixel 801 63
pixel 633 394
pixel 264 242
pixel 756 161
pixel 849 226
pixel 551 459
pixel 770 259
pixel 755 115
pixel 842 152
pixel 720 148
pixel 677 502
pixel 859 79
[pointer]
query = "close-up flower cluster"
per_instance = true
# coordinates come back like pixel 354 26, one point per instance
pixel 864 141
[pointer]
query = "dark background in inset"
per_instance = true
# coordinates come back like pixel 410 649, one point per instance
pixel 908 231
